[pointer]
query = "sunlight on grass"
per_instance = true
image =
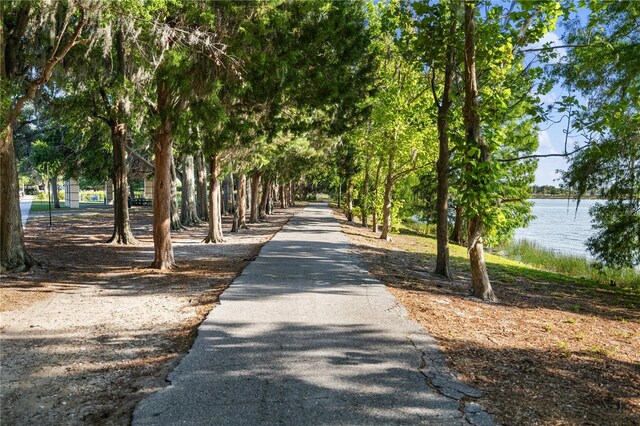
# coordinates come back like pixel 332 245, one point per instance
pixel 575 266
pixel 533 262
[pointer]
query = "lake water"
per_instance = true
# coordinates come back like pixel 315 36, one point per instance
pixel 559 226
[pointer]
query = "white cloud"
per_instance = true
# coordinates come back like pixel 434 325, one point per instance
pixel 544 144
pixel 547 174
pixel 548 98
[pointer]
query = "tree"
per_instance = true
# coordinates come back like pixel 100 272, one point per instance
pixel 481 155
pixel 25 46
pixel 438 40
pixel 399 116
pixel 347 168
pixel 500 133
pixel 603 67
pixel 188 210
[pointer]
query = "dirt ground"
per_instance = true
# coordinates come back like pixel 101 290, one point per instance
pixel 550 352
pixel 94 330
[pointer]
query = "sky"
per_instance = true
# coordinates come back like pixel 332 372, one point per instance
pixel 551 137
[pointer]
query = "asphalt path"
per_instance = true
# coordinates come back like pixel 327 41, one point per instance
pixel 25 206
pixel 306 336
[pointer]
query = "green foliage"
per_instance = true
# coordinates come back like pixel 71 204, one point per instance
pixel 606 71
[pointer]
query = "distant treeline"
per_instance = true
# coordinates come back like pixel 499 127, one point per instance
pixel 550 191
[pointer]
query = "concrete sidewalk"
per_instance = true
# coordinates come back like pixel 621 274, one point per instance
pixel 305 336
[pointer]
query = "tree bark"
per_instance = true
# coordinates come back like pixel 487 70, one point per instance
pixel 224 194
pixel 255 187
pixel 242 201
pixel 292 193
pixel 374 214
pixel 386 206
pixel 14 256
pixel 239 216
pixel 272 199
pixel 201 187
pixel 231 202
pixel 188 210
pixel 264 199
pixel 364 200
pixel 442 207
pixel 349 200
pixel 121 224
pixel 283 202
pixel 176 225
pixel 54 191
pixel 163 247
pixel 457 235
pixel 480 277
pixel 215 209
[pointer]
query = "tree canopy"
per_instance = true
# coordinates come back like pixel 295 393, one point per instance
pixel 398 108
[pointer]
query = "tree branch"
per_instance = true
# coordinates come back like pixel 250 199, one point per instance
pixel 47 71
pixel 540 49
pixel 526 157
pixel 433 88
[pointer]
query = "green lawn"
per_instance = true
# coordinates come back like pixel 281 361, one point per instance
pixel 42 206
pixel 548 266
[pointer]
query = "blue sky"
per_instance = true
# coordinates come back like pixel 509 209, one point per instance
pixel 551 136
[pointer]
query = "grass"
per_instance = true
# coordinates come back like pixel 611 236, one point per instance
pixel 540 266
pixel 42 206
pixel 578 267
pixel 527 259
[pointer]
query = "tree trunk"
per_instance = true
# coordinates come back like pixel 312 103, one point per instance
pixel 339 193
pixel 224 195
pixel 283 202
pixel 13 254
pixel 264 200
pixel 231 199
pixel 255 187
pixel 215 209
pixel 188 210
pixel 292 194
pixel 201 187
pixel 132 192
pixel 349 200
pixel 242 201
pixel 376 184
pixel 480 277
pixel 272 199
pixel 239 216
pixel 176 225
pixel 457 235
pixel 53 184
pixel 121 225
pixel 364 201
pixel 442 207
pixel 386 206
pixel 163 161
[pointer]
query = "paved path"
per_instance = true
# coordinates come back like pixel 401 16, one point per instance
pixel 25 206
pixel 305 336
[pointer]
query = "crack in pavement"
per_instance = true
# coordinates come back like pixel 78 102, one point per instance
pixel 442 380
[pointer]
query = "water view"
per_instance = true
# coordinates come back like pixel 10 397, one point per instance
pixel 558 226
